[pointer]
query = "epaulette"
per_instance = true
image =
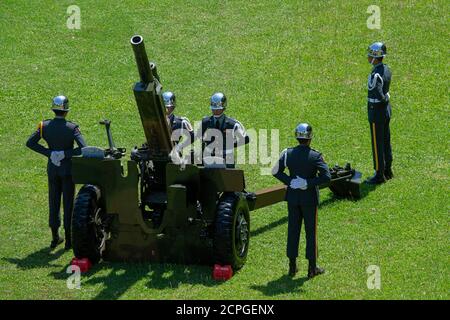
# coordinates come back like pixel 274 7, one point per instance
pixel 72 124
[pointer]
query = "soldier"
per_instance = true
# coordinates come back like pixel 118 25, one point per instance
pixel 176 123
pixel 379 114
pixel 219 121
pixel 60 135
pixel 307 171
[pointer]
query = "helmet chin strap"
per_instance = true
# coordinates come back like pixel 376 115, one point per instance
pixel 373 59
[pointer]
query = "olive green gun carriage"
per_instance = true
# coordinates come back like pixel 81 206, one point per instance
pixel 160 211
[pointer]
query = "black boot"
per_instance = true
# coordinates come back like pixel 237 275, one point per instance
pixel 68 244
pixel 377 178
pixel 56 239
pixel 388 173
pixel 292 267
pixel 314 270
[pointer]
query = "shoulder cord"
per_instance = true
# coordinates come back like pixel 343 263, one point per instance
pixel 372 82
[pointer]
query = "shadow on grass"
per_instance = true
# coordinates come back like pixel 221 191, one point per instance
pixel 366 189
pixel 283 285
pixel 38 259
pixel 122 276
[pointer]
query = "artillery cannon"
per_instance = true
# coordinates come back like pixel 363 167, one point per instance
pixel 161 211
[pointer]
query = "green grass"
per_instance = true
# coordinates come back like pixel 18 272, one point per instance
pixel 279 63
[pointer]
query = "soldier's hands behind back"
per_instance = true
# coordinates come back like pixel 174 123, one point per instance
pixel 295 183
pixel 56 157
pixel 303 185
pixel 299 183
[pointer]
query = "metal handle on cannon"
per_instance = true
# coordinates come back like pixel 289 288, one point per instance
pixel 107 124
pixel 113 152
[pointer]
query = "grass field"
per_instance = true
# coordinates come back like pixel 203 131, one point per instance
pixel 279 63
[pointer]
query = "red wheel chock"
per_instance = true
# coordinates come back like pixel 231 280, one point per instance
pixel 222 272
pixel 84 264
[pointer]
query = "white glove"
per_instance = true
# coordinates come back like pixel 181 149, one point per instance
pixel 56 157
pixel 175 155
pixel 303 185
pixel 295 183
pixel 299 183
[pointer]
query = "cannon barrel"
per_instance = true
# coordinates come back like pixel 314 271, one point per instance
pixel 142 62
pixel 149 101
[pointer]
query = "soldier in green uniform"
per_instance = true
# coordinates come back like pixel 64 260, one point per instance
pixel 379 113
pixel 60 135
pixel 307 171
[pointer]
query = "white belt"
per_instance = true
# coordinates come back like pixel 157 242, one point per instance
pixel 378 101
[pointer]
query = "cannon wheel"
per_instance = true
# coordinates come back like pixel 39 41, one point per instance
pixel 232 230
pixel 88 236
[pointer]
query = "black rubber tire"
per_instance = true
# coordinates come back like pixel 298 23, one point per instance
pixel 228 248
pixel 85 241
